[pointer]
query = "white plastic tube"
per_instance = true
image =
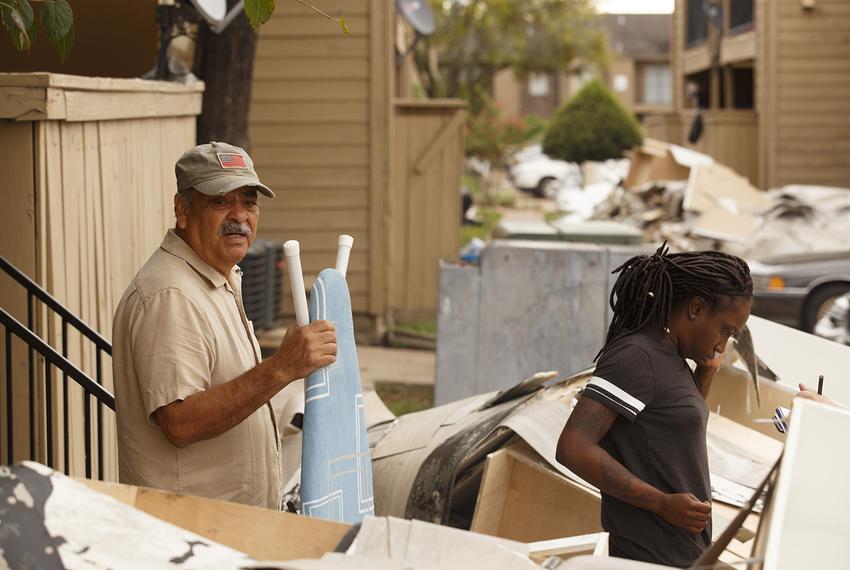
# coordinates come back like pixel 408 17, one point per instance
pixel 343 252
pixel 292 250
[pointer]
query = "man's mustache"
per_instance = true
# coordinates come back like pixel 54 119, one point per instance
pixel 235 228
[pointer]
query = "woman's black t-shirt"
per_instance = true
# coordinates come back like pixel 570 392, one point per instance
pixel 659 436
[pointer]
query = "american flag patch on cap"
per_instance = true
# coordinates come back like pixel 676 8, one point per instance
pixel 231 160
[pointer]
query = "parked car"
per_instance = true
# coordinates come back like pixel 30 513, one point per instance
pixel 835 324
pixel 535 172
pixel 798 290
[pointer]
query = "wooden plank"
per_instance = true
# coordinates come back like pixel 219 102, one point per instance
pixel 310 68
pixel 447 131
pixel 312 25
pixel 530 502
pixel 260 533
pixel 296 220
pixel 737 48
pixel 335 112
pixel 381 71
pixel 492 496
pixel 696 59
pixel 310 155
pixel 339 177
pixel 811 120
pixel 298 132
pixel 81 82
pixel 803 93
pixel 339 48
pixel 309 90
pixel 815 38
pixel 316 199
pixel 347 8
pixel 31 103
pixel 818 82
pixel 837 8
pixel 100 106
pixel 18 246
pixel 424 104
pixel 834 64
pixel 824 22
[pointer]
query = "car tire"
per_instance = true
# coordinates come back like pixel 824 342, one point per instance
pixel 818 302
pixel 547 188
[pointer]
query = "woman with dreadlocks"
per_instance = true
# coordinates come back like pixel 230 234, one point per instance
pixel 638 431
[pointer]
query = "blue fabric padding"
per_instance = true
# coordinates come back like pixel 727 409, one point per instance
pixel 336 465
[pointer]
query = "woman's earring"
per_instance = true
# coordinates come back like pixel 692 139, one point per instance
pixel 691 316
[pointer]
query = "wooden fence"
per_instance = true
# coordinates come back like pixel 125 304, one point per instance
pixel 88 188
pixel 423 214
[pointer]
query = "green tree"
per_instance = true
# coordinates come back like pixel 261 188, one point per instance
pixel 56 17
pixel 591 126
pixel 478 38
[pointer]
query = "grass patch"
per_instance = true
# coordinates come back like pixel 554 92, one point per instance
pixel 422 326
pixel 405 398
pixel 489 219
pixel 554 216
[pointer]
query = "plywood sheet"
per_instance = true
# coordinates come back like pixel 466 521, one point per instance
pixel 262 533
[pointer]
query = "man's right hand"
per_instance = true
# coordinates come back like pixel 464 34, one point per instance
pixel 306 349
pixel 686 511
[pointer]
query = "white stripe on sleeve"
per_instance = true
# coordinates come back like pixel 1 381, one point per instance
pixel 618 393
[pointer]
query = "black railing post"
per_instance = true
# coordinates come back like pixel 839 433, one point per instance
pixel 31 374
pixel 10 421
pixel 87 429
pixel 48 401
pixel 99 372
pixel 66 455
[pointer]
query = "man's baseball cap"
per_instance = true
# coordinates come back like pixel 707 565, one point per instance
pixel 217 168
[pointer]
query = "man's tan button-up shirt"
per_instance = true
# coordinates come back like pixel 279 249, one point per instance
pixel 179 329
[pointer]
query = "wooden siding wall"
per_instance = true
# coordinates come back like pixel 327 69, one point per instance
pixel 424 200
pixel 318 126
pixel 665 127
pixel 806 118
pixel 730 137
pixel 91 201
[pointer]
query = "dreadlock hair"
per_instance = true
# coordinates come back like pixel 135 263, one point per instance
pixel 649 286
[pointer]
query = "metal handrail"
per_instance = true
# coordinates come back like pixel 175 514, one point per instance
pixel 54 359
pixel 48 352
pixel 35 289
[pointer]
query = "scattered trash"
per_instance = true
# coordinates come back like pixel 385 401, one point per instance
pixel 471 252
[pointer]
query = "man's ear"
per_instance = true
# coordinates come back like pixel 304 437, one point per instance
pixel 181 212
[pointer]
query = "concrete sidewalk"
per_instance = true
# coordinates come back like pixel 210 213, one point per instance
pixel 378 364
pixel 398 365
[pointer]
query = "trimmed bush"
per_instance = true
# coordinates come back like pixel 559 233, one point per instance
pixel 591 126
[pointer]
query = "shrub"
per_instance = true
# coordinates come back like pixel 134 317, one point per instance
pixel 491 137
pixel 591 126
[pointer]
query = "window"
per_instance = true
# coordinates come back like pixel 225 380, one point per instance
pixel 697 23
pixel 740 15
pixel 538 84
pixel 657 84
pixel 621 83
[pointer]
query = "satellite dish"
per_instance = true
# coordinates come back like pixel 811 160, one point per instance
pixel 213 11
pixel 419 15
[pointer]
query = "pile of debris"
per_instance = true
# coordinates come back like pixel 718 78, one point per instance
pixel 686 198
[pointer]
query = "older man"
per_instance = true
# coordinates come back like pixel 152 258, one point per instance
pixel 192 394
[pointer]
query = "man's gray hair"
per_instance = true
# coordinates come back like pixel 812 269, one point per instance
pixel 186 196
